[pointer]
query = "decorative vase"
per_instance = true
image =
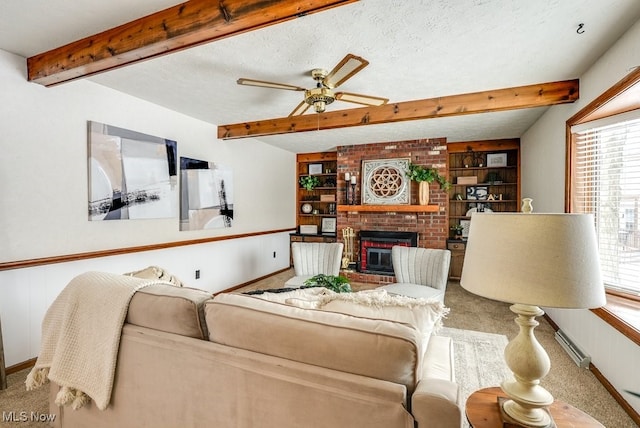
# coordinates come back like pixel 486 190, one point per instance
pixel 423 193
pixel 527 207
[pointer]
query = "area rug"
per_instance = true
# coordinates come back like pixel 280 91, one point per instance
pixel 479 359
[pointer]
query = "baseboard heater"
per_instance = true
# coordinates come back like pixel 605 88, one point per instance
pixel 576 354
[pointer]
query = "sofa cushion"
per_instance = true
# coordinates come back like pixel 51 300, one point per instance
pixel 425 315
pixel 375 348
pixel 178 310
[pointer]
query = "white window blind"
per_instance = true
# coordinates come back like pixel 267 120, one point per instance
pixel 606 183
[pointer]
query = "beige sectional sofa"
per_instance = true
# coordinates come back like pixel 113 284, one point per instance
pixel 189 360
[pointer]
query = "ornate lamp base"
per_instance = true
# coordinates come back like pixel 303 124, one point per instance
pixel 509 422
pixel 529 363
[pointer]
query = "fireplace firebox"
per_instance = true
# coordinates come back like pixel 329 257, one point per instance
pixel 375 249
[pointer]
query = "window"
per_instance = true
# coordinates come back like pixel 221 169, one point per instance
pixel 615 106
pixel 605 174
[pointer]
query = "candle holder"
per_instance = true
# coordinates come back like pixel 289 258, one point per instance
pixel 347 180
pixel 346 193
pixel 353 193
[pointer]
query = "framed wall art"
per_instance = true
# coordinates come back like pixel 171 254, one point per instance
pixel 465 227
pixel 496 159
pixel 206 195
pixel 476 193
pixel 329 225
pixel 315 168
pixel 385 182
pixel 131 175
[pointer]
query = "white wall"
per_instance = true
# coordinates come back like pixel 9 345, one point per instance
pixel 43 204
pixel 25 294
pixel 43 168
pixel 543 179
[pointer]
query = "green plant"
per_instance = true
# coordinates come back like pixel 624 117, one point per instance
pixel 492 177
pixel 309 182
pixel 339 284
pixel 419 173
pixel 456 228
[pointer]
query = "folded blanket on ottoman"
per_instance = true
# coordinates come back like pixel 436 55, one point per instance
pixel 81 336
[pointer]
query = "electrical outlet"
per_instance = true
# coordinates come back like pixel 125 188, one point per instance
pixel 197 273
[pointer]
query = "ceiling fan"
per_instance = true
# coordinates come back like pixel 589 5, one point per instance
pixel 322 95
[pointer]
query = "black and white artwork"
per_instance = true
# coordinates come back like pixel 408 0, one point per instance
pixel 206 195
pixel 475 193
pixel 131 175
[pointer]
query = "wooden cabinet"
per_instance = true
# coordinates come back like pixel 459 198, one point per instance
pixel 457 248
pixel 297 237
pixel 484 176
pixel 317 207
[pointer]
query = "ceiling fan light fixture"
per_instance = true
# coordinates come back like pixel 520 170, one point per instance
pixel 323 95
pixel 319 98
pixel 319 106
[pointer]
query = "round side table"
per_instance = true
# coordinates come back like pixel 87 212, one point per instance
pixel 483 412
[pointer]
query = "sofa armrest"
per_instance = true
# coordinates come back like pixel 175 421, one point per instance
pixel 437 403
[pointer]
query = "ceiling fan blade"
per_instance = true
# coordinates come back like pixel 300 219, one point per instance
pixel 300 109
pixel 345 69
pixel 272 85
pixel 366 100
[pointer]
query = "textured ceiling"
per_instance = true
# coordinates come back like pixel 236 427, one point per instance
pixel 417 49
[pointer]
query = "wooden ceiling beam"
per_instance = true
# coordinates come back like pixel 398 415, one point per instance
pixel 179 27
pixel 539 95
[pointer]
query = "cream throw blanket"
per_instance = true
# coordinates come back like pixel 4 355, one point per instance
pixel 81 336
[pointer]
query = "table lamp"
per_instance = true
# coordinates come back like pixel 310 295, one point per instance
pixel 532 260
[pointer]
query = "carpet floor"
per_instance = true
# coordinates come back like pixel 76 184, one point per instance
pixel 480 329
pixel 22 408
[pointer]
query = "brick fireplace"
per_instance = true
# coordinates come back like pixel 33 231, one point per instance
pixel 430 228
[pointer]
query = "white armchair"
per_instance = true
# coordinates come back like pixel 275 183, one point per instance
pixel 420 272
pixel 314 258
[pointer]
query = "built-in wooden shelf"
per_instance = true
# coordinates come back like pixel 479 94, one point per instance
pixel 390 208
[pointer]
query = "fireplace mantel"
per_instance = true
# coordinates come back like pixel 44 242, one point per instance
pixel 390 208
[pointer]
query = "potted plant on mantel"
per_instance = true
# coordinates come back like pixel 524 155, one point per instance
pixel 424 176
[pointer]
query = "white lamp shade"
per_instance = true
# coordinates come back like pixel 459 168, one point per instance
pixel 548 260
